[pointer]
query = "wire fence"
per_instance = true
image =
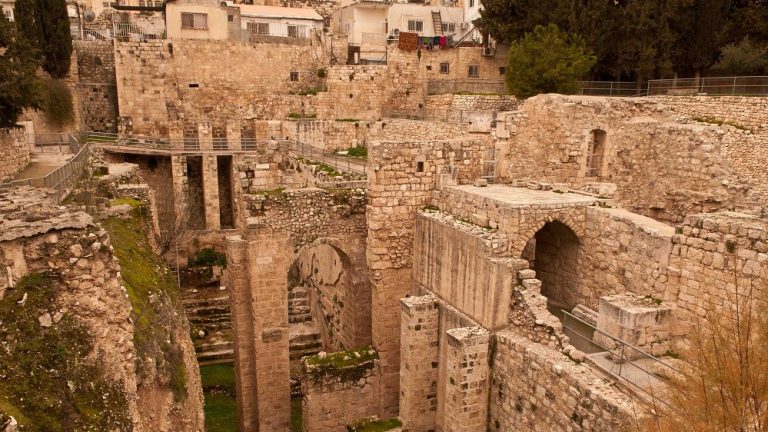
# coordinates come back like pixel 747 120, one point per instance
pixel 429 114
pixel 610 88
pixel 639 369
pixel 63 179
pixel 712 86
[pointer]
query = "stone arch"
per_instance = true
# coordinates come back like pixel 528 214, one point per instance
pixel 567 218
pixel 328 288
pixel 554 251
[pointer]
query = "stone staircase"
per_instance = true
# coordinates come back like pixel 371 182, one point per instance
pixel 207 309
pixel 304 339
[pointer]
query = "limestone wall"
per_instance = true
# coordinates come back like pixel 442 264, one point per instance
pixel 749 112
pixel 536 388
pixel 307 214
pixel 467 102
pixel 15 151
pixel 661 169
pixel 96 89
pixel 465 265
pixel 623 252
pixel 714 258
pixel 339 389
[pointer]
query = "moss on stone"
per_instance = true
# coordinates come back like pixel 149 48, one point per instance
pixel 133 202
pixel 373 425
pixel 350 365
pixel 47 382
pixel 154 298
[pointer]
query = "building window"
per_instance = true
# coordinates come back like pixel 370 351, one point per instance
pixel 106 4
pixel 194 21
pixel 158 4
pixel 449 27
pixel 474 71
pixel 293 31
pixel 258 28
pixel 327 22
pixel 595 153
pixel 445 68
pixel 294 76
pixel 420 166
pixel 471 3
pixel 415 26
pixel 346 27
pixel 8 14
pixel 502 70
pixel 231 18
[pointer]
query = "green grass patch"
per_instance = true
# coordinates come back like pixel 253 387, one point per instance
pixel 295 115
pixel 374 425
pixel 719 122
pixel 361 152
pixel 349 120
pixel 329 169
pixel 271 192
pixel 218 376
pixel 220 413
pixel 133 202
pixel 344 359
pixel 154 297
pixel 47 384
pixel 296 422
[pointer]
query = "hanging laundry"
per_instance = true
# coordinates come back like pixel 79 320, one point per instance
pixel 442 41
pixel 408 41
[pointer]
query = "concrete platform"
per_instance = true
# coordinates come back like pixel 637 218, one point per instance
pixel 524 197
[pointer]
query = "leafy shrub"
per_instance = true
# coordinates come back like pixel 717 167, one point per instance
pixel 207 257
pixel 58 106
pixel 358 151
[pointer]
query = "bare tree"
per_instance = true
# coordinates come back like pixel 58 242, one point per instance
pixel 724 385
pixel 171 221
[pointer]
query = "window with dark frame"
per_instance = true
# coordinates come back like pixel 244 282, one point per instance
pixel 444 68
pixel 294 76
pixel 420 166
pixel 502 70
pixel 415 26
pixel 473 71
pixel 194 21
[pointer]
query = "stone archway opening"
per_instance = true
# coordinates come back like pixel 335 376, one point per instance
pixel 554 254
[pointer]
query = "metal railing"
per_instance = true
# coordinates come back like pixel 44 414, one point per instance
pixel 469 85
pixel 610 88
pixel 620 359
pixel 712 86
pixel 63 178
pixel 428 114
pixel 145 144
pixel 134 32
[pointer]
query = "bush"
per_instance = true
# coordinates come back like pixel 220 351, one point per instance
pixel 357 151
pixel 207 257
pixel 322 73
pixel 744 58
pixel 547 60
pixel 58 106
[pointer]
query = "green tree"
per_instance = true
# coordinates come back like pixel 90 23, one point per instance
pixel 508 20
pixel 19 86
pixel 27 21
pixel 56 40
pixel 744 58
pixel 697 27
pixel 547 60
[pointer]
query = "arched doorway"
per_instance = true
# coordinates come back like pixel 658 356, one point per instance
pixel 596 153
pixel 554 253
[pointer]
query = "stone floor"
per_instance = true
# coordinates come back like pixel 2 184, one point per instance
pixel 43 164
pixel 522 197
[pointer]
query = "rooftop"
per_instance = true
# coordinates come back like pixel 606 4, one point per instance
pixel 278 12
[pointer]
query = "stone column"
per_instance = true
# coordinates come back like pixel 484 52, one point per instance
pixel 211 192
pixel 179 180
pixel 242 330
pixel 176 135
pixel 419 359
pixel 205 136
pixel 268 276
pixel 468 373
pixel 233 135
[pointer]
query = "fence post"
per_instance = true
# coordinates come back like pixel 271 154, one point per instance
pixel 733 89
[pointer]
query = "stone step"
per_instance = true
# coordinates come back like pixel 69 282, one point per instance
pixel 293 303
pixel 303 338
pixel 208 301
pixel 214 347
pixel 215 356
pixel 212 319
pixel 309 351
pixel 207 310
pixel 296 319
pixel 211 327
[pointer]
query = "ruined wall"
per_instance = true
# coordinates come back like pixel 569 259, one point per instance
pixel 336 277
pixel 339 389
pixel 549 138
pixel 96 88
pixel 15 151
pixel 714 258
pixel 536 388
pixel 623 252
pixel 403 175
pixel 745 111
pixel 307 214
pixel 212 81
pixel 466 265
pixel 466 102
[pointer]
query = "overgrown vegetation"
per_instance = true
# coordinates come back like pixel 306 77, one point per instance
pixel 154 297
pixel 296 419
pixel 58 106
pixel 331 171
pixel 719 122
pixel 18 67
pixel 46 382
pixel 348 120
pixel 207 257
pixel 308 92
pixel 374 425
pixel 547 61
pixel 361 152
pixel 350 365
pixel 295 115
pixel 45 24
pixel 219 392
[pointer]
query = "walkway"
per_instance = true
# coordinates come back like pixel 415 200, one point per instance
pixel 43 164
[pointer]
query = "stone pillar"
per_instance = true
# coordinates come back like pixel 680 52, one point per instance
pixel 176 135
pixel 205 136
pixel 233 135
pixel 242 330
pixel 211 192
pixel 468 373
pixel 258 277
pixel 268 276
pixel 179 179
pixel 419 359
